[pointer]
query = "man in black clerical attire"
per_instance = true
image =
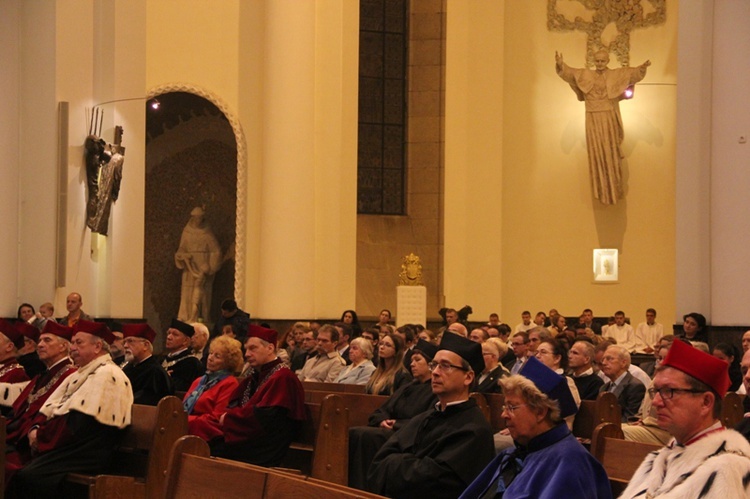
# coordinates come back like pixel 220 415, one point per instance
pixel 27 356
pixel 408 401
pixel 149 380
pixel 179 361
pixel 439 452
pixel 233 316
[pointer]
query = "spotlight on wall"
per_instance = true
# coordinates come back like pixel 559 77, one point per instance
pixel 628 93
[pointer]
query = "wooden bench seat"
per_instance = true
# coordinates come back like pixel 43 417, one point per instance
pixel 620 458
pixel 192 473
pixel 142 456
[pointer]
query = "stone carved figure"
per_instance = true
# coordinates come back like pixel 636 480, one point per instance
pixel 199 257
pixel 94 148
pixel 602 89
pixel 411 271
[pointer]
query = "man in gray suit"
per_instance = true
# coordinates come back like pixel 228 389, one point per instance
pixel 629 390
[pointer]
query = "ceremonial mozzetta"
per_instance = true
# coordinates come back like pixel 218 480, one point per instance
pixel 264 412
pixel 703 460
pixel 84 417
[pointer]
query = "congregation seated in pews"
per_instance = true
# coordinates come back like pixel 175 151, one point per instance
pixel 424 436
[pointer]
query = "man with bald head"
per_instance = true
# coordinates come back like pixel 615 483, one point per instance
pixel 73 304
pixel 628 389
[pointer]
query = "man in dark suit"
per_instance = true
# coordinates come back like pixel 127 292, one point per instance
pixel 587 319
pixel 629 391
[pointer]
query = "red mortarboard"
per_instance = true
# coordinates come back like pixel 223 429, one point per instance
pixel 263 333
pixel 700 365
pixel 138 331
pixel 13 334
pixel 61 330
pixel 98 329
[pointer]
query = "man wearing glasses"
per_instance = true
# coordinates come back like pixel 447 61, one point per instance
pixel 148 378
pixel 439 452
pixel 704 459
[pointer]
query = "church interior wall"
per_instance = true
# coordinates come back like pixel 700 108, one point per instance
pixel 730 158
pixel 549 221
pixel 678 228
pixel 10 152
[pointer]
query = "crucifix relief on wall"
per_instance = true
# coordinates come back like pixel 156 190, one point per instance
pixel 608 24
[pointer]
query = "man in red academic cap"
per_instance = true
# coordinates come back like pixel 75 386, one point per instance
pixel 54 351
pixel 265 411
pixel 704 459
pixel 149 380
pixel 83 417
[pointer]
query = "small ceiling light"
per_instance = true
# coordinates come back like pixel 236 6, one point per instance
pixel 628 93
pixel 155 104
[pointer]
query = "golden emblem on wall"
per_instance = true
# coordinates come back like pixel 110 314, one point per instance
pixel 411 271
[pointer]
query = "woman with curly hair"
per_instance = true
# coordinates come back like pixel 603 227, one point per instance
pixel 208 396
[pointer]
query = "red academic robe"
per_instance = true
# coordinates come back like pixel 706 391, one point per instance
pixel 263 416
pixel 12 372
pixel 26 414
pixel 204 420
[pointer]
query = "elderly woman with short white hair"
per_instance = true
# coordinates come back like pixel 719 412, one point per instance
pixel 361 368
pixel 548 461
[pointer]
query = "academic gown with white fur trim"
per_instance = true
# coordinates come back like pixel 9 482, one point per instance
pixel 716 466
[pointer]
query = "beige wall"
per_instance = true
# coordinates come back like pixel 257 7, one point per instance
pixel 295 97
pixel 547 220
pixel 382 241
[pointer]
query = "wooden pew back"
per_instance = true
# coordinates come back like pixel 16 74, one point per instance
pixel 359 405
pixel 141 458
pixel 605 409
pixel 192 473
pixel 620 458
pixel 732 411
pixel 332 387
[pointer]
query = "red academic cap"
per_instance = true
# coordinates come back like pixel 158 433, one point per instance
pixel 138 331
pixel 12 333
pixel 28 330
pixel 61 330
pixel 98 329
pixel 263 333
pixel 700 365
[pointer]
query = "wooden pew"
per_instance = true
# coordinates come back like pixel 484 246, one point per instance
pixel 321 449
pixel 620 458
pixel 494 403
pixel 192 473
pixel 360 406
pixel 142 456
pixel 732 411
pixel 482 404
pixel 332 387
pixel 605 409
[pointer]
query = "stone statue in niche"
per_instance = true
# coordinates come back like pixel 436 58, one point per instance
pixel 199 257
pixel 602 89
pixel 103 176
pixel 411 271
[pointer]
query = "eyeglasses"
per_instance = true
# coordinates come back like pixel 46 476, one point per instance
pixel 667 393
pixel 444 366
pixel 510 409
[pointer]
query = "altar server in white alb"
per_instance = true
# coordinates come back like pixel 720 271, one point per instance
pixel 704 459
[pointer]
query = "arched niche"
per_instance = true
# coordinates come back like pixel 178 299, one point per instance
pixel 195 156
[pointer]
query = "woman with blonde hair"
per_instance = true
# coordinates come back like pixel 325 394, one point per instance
pixel 390 373
pixel 361 368
pixel 208 396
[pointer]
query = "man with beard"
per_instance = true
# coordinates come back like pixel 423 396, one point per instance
pixel 149 380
